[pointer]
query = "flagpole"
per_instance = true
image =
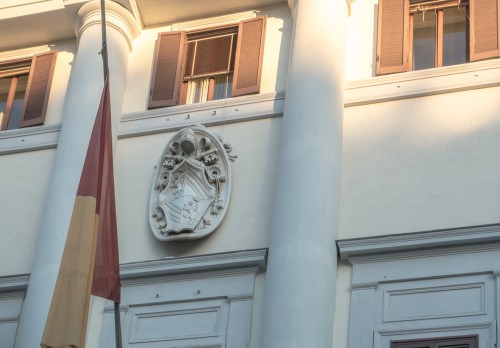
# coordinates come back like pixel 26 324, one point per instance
pixel 104 53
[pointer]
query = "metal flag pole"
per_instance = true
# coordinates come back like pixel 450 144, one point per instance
pixel 104 53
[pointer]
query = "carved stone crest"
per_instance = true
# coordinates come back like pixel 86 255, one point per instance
pixel 192 185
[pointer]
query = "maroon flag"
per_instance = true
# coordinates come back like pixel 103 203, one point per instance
pixel 90 259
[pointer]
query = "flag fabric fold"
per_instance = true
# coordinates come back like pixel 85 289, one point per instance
pixel 90 262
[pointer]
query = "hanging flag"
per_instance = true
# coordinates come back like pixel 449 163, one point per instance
pixel 90 259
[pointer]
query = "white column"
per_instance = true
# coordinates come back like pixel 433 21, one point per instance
pixel 79 111
pixel 302 262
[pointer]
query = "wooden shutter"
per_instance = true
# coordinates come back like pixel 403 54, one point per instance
pixel 208 57
pixel 393 36
pixel 249 54
pixel 484 29
pixel 38 89
pixel 166 81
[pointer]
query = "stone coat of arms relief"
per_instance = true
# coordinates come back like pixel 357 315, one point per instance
pixel 192 185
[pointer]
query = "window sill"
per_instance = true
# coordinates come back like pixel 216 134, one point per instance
pixel 212 113
pixel 29 139
pixel 421 83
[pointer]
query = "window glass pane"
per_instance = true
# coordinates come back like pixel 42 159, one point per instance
pixel 4 92
pixel 222 87
pixel 424 40
pixel 17 106
pixel 197 90
pixel 454 40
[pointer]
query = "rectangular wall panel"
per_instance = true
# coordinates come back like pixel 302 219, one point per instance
pixel 434 302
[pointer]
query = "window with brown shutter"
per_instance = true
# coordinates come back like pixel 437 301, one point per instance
pixel 393 36
pixel 247 72
pixel 24 90
pixel 205 65
pixel 422 34
pixel 484 24
pixel 447 342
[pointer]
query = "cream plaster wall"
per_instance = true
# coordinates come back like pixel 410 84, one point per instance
pixel 24 178
pixel 65 54
pixel 420 164
pixel 247 222
pixel 361 40
pixel 274 68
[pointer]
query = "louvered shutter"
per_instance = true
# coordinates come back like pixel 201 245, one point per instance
pixel 208 57
pixel 393 36
pixel 38 89
pixel 165 86
pixel 249 54
pixel 484 29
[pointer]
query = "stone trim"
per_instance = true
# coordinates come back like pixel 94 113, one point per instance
pixel 29 139
pixel 14 283
pixel 464 236
pixel 201 263
pixel 217 112
pixel 422 83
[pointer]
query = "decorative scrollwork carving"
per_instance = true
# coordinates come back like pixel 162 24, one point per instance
pixel 192 185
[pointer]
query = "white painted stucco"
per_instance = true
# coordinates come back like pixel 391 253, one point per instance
pixel 420 150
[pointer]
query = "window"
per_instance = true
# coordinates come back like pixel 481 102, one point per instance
pixel 421 34
pixel 24 90
pixel 10 310
pixel 452 342
pixel 193 67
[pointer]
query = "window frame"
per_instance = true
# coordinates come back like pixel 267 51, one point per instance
pixel 439 6
pixel 167 76
pixel 40 70
pixel 206 34
pixel 13 70
pixel 472 341
pixel 394 17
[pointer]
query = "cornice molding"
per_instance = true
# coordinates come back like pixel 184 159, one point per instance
pixel 23 53
pixel 453 237
pixel 29 139
pixel 229 261
pixel 14 283
pixel 217 112
pixel 421 83
pixel 214 21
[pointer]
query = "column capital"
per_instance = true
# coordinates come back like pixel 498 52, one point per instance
pixel 117 17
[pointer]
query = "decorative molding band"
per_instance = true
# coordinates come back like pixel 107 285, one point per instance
pixel 465 327
pixel 214 21
pixel 29 139
pixel 23 53
pixel 364 286
pixel 217 112
pixel 14 283
pixel 465 236
pixel 421 83
pixel 226 111
pixel 202 263
pixel 6 4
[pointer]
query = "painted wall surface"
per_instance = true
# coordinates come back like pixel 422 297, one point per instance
pixel 408 165
pixel 420 164
pixel 361 40
pixel 65 54
pixel 247 222
pixel 24 179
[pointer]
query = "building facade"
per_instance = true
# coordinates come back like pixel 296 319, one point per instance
pixel 341 162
